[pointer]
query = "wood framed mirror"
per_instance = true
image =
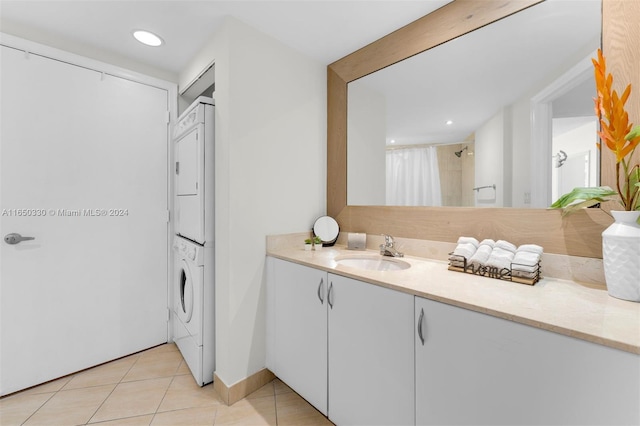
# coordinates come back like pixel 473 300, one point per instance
pixel 578 235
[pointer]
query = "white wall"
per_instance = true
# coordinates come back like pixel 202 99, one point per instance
pixel 366 156
pixel 270 174
pixel 522 151
pixel 580 139
pixel 489 161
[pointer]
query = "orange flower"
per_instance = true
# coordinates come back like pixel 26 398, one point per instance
pixel 615 130
pixel 614 119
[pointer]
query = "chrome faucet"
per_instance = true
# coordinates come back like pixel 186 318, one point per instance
pixel 388 248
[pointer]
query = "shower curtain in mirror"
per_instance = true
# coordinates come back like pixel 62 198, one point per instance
pixel 413 178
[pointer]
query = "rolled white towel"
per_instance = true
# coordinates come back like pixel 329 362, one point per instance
pixel 468 240
pixel 525 258
pixel 500 258
pixel 532 248
pixel 524 268
pixel 456 262
pixel 481 255
pixel 505 245
pixel 465 249
pixel 523 274
pixel 488 242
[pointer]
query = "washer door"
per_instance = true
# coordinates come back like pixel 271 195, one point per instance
pixel 184 302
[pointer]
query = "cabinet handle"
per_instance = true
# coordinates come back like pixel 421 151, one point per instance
pixel 320 291
pixel 420 326
pixel 329 294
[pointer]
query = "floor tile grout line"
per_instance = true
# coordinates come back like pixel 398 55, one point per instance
pixel 275 401
pixel 183 409
pixel 215 417
pixel 148 378
pixel 163 397
pixel 110 420
pixel 145 379
pixel 139 355
pixel 112 390
pixel 38 409
pixel 102 403
pixel 88 387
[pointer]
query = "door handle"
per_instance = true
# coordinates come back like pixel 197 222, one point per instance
pixel 329 294
pixel 420 326
pixel 320 291
pixel 14 238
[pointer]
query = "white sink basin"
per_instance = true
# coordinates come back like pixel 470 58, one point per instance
pixel 373 263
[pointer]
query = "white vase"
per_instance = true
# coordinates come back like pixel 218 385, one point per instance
pixel 621 256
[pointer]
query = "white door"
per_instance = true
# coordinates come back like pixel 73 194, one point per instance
pixel 476 369
pixel 83 171
pixel 371 354
pixel 300 315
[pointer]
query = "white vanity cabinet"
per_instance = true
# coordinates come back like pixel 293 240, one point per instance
pixel 371 354
pixel 297 329
pixel 473 368
pixel 344 345
pixel 365 354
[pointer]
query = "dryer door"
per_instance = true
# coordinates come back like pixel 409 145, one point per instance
pixel 189 185
pixel 188 159
pixel 184 296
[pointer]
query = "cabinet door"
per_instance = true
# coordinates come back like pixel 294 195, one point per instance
pixel 474 368
pixel 371 354
pixel 300 330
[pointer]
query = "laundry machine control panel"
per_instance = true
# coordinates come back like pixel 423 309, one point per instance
pixel 189 250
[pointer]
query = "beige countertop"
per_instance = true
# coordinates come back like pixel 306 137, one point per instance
pixel 556 305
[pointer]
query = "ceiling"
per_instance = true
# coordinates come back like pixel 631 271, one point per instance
pixel 325 30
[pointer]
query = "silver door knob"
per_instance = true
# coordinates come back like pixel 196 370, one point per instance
pixel 14 238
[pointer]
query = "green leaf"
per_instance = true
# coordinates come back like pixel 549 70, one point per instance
pixel 634 176
pixel 572 208
pixel 634 185
pixel 583 197
pixel 634 133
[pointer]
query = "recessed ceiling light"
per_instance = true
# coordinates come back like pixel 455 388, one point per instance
pixel 449 123
pixel 392 141
pixel 148 38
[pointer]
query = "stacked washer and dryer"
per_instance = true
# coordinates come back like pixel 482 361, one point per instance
pixel 193 283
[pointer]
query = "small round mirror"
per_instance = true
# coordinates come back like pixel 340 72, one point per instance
pixel 327 229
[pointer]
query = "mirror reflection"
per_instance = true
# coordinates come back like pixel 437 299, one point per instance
pixel 500 117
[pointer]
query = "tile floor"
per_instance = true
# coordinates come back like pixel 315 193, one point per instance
pixel 153 387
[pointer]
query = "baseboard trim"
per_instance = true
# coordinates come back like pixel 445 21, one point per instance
pixel 234 393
